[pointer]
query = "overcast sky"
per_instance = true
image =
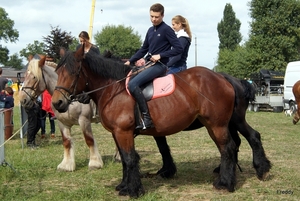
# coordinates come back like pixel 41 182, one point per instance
pixel 33 19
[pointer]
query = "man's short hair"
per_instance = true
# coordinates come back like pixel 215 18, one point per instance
pixel 158 8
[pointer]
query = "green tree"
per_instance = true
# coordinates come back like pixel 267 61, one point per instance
pixel 7 34
pixel 3 54
pixel 229 29
pixel 121 40
pixel 235 63
pixel 55 40
pixel 74 44
pixel 32 49
pixel 14 61
pixel 274 38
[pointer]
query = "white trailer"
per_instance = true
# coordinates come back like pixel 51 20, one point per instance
pixel 292 75
pixel 269 91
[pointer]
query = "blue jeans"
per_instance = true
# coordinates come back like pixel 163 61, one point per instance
pixel 173 69
pixel 43 122
pixel 146 75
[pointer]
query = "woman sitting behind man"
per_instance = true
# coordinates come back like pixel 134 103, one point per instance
pixel 182 29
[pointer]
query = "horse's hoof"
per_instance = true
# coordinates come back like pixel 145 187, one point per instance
pixel 167 172
pixel 222 186
pixel 264 176
pixel 124 192
pixel 120 186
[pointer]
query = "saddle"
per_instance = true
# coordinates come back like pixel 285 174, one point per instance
pixel 159 87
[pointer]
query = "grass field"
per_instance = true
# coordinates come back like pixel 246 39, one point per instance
pixel 195 155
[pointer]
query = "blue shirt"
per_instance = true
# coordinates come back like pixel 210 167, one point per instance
pixel 7 99
pixel 159 40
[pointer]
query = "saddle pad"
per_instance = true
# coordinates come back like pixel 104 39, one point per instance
pixel 162 86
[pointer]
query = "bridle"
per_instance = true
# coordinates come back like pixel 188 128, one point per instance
pixel 33 88
pixel 72 94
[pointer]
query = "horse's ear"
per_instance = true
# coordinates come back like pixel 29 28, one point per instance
pixel 42 61
pixel 80 52
pixel 30 57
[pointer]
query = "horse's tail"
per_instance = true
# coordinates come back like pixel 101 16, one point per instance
pixel 249 91
pixel 229 78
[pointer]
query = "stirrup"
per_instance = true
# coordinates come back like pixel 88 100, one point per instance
pixel 143 126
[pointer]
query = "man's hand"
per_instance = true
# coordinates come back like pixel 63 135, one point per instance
pixel 155 58
pixel 127 63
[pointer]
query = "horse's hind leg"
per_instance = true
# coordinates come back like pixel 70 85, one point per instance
pixel 296 115
pixel 237 140
pixel 227 147
pixel 260 162
pixel 95 157
pixel 168 169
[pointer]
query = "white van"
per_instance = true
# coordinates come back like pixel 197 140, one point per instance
pixel 292 75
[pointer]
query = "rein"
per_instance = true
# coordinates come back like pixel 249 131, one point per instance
pixel 83 95
pixel 190 85
pixel 140 69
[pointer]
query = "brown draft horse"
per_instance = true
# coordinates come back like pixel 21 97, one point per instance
pixel 245 93
pixel 200 94
pixel 296 92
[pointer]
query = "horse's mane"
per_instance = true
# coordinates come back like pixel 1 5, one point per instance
pixel 109 68
pixel 51 64
pixel 33 67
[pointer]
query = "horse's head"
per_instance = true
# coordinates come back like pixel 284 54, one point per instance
pixel 33 84
pixel 71 79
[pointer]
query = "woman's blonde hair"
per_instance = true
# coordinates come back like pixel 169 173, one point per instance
pixel 185 24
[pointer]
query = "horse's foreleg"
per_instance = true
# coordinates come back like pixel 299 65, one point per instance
pixel 227 147
pixel 68 162
pixel 95 157
pixel 131 182
pixel 168 169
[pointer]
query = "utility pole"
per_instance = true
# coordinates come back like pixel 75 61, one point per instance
pixel 92 20
pixel 195 50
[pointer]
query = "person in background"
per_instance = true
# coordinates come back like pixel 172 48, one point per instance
pixel 46 110
pixel 34 125
pixel 84 38
pixel 182 29
pixel 6 96
pixel 157 44
pixel 3 81
pixel 88 46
